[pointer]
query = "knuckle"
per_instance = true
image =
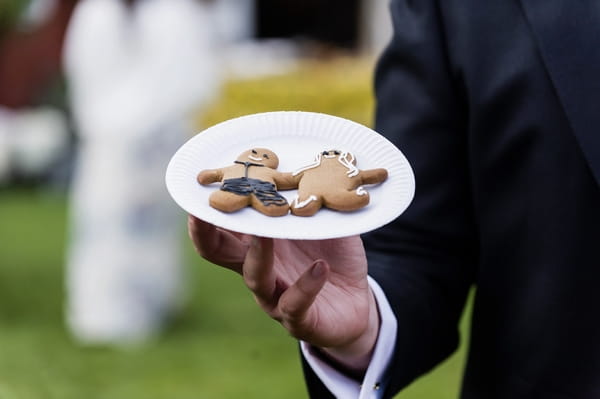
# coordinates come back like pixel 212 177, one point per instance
pixel 274 314
pixel 251 283
pixel 257 286
pixel 289 309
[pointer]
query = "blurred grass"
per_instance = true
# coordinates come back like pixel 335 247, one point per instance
pixel 221 345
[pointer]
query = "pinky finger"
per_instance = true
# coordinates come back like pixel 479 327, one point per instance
pixel 218 246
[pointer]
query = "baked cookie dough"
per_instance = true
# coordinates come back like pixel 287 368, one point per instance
pixel 333 181
pixel 253 181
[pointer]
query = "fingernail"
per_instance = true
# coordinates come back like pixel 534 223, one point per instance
pixel 255 242
pixel 318 269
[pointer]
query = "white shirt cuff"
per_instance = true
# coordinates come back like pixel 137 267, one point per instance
pixel 372 385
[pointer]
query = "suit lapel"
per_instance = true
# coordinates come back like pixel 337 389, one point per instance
pixel 568 35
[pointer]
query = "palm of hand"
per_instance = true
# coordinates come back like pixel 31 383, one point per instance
pixel 340 310
pixel 317 290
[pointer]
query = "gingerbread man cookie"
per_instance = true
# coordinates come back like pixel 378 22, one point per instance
pixel 251 181
pixel 333 181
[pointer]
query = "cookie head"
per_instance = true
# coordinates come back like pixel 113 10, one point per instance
pixel 344 156
pixel 331 153
pixel 261 156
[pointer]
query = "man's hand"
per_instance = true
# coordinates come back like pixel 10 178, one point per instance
pixel 317 290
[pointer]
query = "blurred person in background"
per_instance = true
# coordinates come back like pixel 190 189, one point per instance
pixel 35 137
pixel 135 70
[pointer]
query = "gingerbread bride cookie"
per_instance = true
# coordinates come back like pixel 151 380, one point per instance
pixel 251 181
pixel 333 181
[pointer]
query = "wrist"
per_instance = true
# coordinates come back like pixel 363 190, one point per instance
pixel 354 358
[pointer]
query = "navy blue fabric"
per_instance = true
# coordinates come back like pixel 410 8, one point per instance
pixel 494 104
pixel 569 38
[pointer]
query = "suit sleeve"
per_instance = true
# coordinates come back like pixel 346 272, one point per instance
pixel 425 260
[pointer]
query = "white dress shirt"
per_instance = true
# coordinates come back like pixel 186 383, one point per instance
pixel 372 385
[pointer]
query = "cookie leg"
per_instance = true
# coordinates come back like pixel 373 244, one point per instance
pixel 306 205
pixel 228 202
pixel 346 201
pixel 270 210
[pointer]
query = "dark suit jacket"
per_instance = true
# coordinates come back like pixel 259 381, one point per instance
pixel 496 104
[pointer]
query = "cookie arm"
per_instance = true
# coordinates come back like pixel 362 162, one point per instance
pixel 286 181
pixel 209 176
pixel 373 176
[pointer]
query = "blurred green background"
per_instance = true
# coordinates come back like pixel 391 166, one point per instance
pixel 221 345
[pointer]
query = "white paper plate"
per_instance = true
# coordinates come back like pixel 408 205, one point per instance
pixel 295 137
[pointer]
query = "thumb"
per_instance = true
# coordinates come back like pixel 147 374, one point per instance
pixel 297 299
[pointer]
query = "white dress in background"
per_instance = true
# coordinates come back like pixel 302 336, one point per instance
pixel 135 74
